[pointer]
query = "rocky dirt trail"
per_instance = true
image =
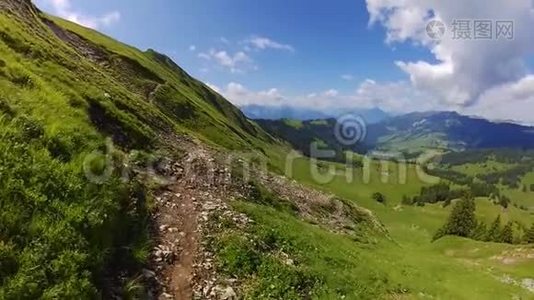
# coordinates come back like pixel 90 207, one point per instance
pixel 181 267
pixel 178 237
pixel 182 273
pixel 189 206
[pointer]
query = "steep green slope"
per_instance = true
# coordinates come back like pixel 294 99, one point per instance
pixel 64 90
pixel 170 90
pixel 144 91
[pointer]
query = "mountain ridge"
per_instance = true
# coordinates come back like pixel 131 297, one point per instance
pixel 412 132
pixel 459 132
pixel 272 112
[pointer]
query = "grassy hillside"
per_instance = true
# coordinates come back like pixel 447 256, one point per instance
pixel 74 102
pixel 143 92
pixel 282 256
pixel 413 266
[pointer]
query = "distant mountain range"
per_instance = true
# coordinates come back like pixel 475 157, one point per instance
pixel 447 130
pixel 410 133
pixel 267 112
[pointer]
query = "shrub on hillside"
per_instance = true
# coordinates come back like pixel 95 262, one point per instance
pixel 406 200
pixel 379 197
pixel 440 192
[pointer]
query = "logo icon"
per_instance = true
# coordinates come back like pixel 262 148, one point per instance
pixel 350 130
pixel 435 29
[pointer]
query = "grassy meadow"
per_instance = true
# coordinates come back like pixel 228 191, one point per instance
pixel 404 265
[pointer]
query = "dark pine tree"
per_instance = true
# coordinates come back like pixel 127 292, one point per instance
pixel 461 221
pixel 480 232
pixel 494 231
pixel 507 233
pixel 530 235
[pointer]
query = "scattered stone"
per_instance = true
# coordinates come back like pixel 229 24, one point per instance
pixel 228 294
pixel 528 283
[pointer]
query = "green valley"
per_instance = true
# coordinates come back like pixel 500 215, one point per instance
pixel 123 177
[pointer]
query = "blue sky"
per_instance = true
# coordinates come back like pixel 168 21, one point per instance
pixel 329 40
pixel 323 53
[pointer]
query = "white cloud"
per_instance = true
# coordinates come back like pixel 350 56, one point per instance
pixel 240 61
pixel 236 63
pixel 109 18
pixel 464 73
pixel 486 78
pixel 331 93
pixel 263 43
pixel 511 101
pixel 240 95
pixel 63 8
pixel 192 48
pixel 394 97
pixel 347 77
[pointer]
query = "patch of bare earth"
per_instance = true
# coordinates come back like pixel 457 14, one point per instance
pixel 196 198
pixel 515 256
pixel 319 207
